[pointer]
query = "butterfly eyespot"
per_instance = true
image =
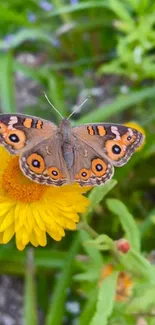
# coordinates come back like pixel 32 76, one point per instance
pixel 36 163
pixel 99 167
pixel 128 138
pixel 54 173
pixel 116 149
pixel 84 174
pixel 15 138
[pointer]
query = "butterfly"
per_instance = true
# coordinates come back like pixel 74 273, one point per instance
pixel 61 155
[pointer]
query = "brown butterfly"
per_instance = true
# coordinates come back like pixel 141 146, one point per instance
pixel 60 155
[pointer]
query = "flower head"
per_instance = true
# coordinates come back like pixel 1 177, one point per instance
pixel 138 128
pixel 124 282
pixel 29 210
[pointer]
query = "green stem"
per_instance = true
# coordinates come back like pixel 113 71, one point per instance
pixel 88 229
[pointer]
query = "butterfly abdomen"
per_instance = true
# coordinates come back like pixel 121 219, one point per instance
pixel 67 148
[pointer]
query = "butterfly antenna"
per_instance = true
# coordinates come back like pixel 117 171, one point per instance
pixel 53 105
pixel 77 108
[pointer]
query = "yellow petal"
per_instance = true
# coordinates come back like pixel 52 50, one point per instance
pixel 56 236
pixel 42 240
pixel 19 244
pixel 8 220
pixel 4 209
pixel 25 237
pixel 30 218
pixel 38 218
pixel 8 234
pixel 20 221
pixel 37 230
pixel 33 239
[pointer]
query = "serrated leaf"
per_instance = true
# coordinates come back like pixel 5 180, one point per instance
pixel 105 301
pixel 127 221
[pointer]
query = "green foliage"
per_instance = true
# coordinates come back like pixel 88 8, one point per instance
pixel 75 47
pixel 136 41
pixel 105 303
pixel 127 221
pixel 30 310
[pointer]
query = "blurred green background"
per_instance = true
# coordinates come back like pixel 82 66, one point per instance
pixel 72 50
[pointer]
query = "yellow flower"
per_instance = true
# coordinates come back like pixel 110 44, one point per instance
pixel 138 128
pixel 30 210
pixel 124 282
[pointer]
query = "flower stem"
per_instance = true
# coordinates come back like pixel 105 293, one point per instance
pixel 88 229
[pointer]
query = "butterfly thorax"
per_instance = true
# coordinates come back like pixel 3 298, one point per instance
pixel 67 147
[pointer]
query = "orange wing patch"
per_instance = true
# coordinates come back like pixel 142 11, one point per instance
pixel 3 128
pixel 28 123
pixel 39 124
pixel 101 130
pixel 90 130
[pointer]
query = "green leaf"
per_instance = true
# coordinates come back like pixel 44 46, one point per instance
pixel 77 7
pixel 142 303
pixel 120 10
pixel 127 221
pixel 97 195
pixel 89 276
pixel 29 71
pixel 105 301
pixel 13 17
pixel 56 309
pixel 102 242
pixel 147 224
pixel 94 254
pixel 56 88
pixel 27 34
pixel 7 92
pixel 120 104
pixel 138 265
pixel 89 307
pixel 30 308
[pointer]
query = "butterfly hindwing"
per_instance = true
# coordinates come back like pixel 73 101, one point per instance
pixel 44 163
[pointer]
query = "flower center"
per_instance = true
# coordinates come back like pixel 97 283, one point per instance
pixel 18 186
